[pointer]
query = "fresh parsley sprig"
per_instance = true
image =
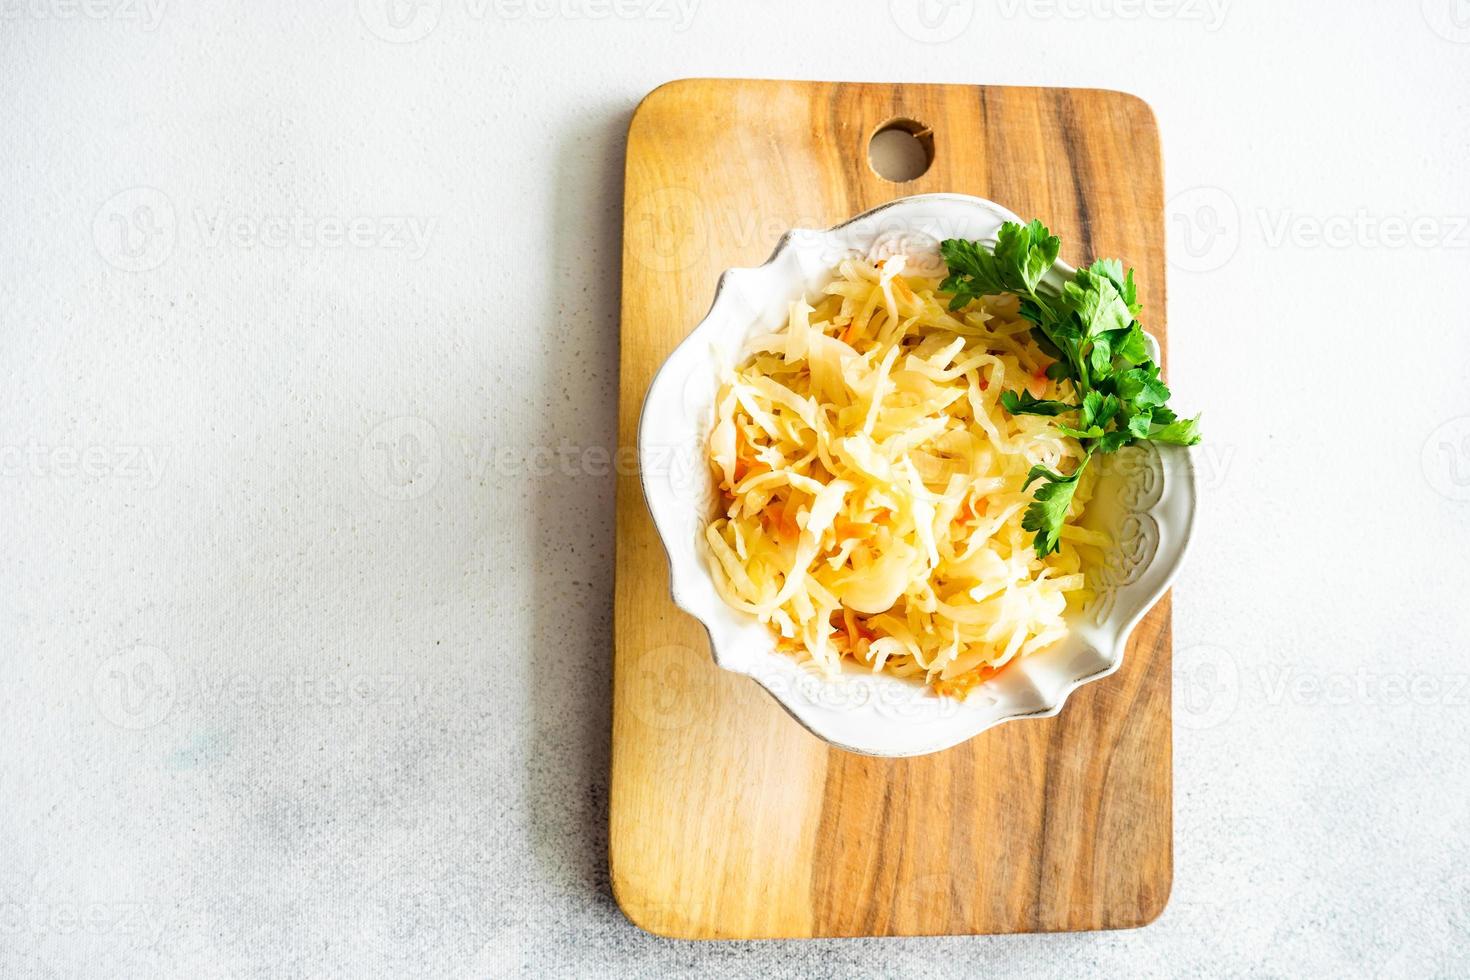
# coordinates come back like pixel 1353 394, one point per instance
pixel 1090 326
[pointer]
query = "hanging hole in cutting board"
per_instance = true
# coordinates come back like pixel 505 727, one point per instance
pixel 901 150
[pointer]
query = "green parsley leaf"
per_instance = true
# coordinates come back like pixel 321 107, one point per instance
pixel 1058 371
pixel 1112 269
pixel 1048 509
pixel 1096 303
pixel 1097 409
pixel 1027 251
pixel 1091 432
pixel 973 272
pixel 1128 345
pixel 1026 403
pixel 1184 432
pixel 1141 386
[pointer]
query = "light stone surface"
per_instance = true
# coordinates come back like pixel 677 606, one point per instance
pixel 308 339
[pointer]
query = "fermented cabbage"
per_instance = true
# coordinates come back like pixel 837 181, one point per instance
pixel 872 484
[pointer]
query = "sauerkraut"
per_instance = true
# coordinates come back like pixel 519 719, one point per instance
pixel 873 484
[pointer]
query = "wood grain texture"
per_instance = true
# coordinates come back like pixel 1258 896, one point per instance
pixel 728 820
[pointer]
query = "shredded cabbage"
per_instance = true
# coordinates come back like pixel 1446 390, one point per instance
pixel 873 484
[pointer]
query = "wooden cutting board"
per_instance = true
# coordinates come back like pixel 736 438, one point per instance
pixel 727 819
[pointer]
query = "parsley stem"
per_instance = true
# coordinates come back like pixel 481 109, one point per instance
pixel 1036 298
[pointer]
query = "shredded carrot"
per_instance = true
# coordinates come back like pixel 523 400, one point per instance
pixel 959 687
pixel 972 508
pixel 788 518
pixel 1038 381
pixel 845 528
pixel 782 522
pixel 848 621
pixel 748 467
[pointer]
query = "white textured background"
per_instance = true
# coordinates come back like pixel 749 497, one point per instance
pixel 305 647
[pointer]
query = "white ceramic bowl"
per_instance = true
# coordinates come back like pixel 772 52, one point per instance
pixel 1145 499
